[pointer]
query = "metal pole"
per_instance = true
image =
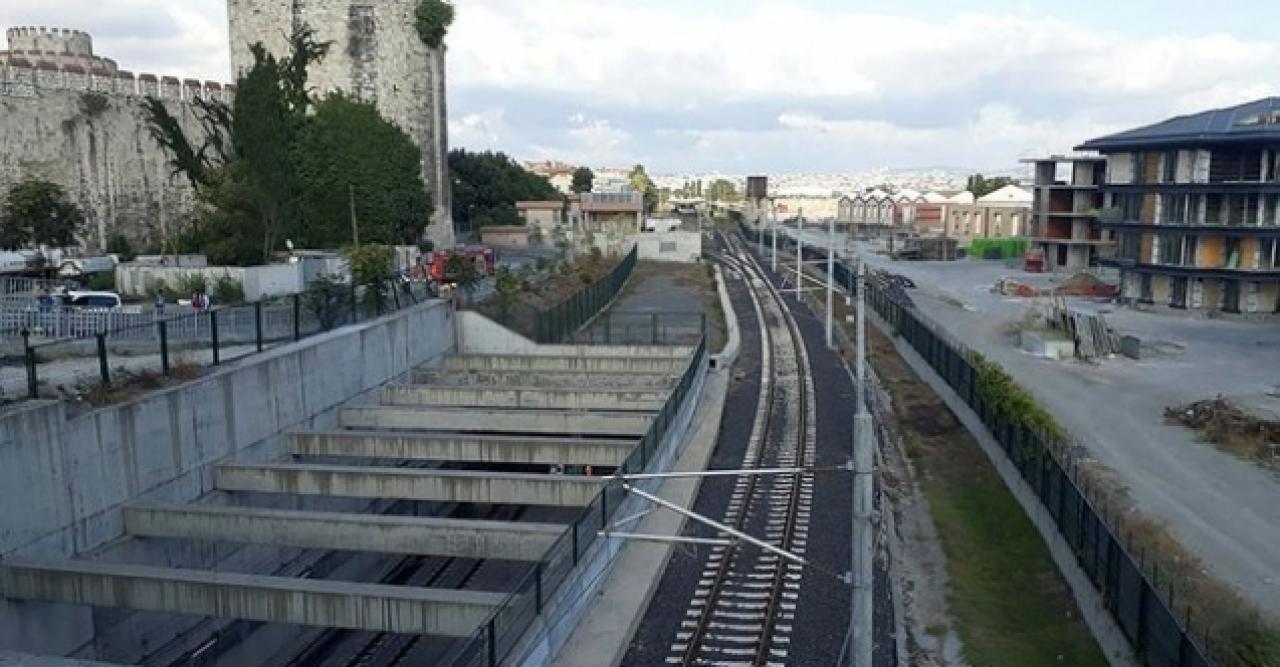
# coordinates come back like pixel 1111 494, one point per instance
pixel 773 234
pixel 717 525
pixel 103 368
pixel 860 574
pixel 257 323
pixel 164 346
pixel 29 354
pixel 213 336
pixel 831 285
pixel 297 317
pixel 799 253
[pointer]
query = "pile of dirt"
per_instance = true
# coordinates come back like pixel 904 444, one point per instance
pixel 1223 423
pixel 1085 284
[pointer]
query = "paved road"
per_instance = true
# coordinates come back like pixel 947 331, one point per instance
pixel 1226 510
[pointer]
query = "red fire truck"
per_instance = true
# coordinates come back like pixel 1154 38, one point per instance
pixel 435 264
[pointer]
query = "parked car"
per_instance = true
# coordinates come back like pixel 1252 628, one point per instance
pixel 92 300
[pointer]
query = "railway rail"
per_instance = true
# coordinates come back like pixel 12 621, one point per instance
pixel 744 606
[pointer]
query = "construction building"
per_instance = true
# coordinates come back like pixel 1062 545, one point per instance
pixel 1066 198
pixel 1194 202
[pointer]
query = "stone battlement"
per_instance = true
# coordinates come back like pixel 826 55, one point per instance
pixel 21 77
pixel 57 40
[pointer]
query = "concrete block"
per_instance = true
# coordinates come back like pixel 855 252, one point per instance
pixel 517 397
pixel 367 607
pixel 451 486
pixel 1043 344
pixel 631 424
pixel 546 379
pixel 496 362
pixel 462 538
pixel 410 446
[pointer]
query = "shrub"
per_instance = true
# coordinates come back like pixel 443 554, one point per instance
pixel 325 298
pixel 228 290
pixel 190 283
pixel 103 281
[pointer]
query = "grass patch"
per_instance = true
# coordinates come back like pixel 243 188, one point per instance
pixel 1010 604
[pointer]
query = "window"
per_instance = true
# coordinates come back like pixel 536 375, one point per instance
pixel 1130 247
pixel 1267 254
pixel 1170 249
pixel 1175 209
pixel 1229 165
pixel 1170 166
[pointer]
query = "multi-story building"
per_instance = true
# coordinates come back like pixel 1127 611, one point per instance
pixel 1195 204
pixel 1000 214
pixel 1066 198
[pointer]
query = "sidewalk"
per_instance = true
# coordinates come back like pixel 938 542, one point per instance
pixel 607 628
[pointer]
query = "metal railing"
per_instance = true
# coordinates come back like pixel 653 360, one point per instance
pixel 1159 636
pixel 566 318
pixel 623 328
pixel 493 642
pixel 87 356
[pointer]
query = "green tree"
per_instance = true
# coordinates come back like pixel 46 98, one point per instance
pixel 38 212
pixel 462 271
pixel 507 287
pixel 371 268
pixel 583 180
pixel 432 19
pixel 243 171
pixel 640 182
pixel 486 187
pixel 118 244
pixel 324 298
pixel 982 186
pixel 722 190
pixel 347 151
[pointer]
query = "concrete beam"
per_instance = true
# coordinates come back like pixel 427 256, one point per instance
pixel 428 536
pixel 409 446
pixel 500 362
pixel 547 379
pixel 367 607
pixel 526 397
pixel 451 486
pixel 493 420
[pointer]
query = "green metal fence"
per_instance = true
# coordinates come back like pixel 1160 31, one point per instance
pixel 561 321
pixel 493 642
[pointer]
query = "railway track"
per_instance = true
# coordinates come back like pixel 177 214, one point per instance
pixel 336 648
pixel 744 605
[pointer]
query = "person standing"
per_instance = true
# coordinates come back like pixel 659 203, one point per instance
pixel 159 305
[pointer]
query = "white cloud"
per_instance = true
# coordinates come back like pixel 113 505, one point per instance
pixel 484 129
pixel 586 140
pixel 854 86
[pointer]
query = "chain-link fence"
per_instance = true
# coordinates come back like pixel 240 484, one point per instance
pixel 561 321
pixel 1159 634
pixel 637 328
pixel 492 644
pixel 94 354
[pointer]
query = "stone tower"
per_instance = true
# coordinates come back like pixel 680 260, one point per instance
pixel 375 54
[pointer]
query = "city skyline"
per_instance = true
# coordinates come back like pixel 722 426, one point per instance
pixel 769 87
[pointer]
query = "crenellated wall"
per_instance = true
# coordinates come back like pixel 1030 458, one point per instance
pixel 85 131
pixel 82 128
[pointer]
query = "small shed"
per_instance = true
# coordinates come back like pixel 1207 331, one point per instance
pixel 505 236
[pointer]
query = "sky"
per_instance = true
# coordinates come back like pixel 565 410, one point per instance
pixel 692 86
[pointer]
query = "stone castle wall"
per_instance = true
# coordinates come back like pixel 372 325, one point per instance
pixel 54 125
pixel 376 54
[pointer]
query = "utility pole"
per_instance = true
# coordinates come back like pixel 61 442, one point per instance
pixel 800 254
pixel 831 284
pixel 860 574
pixel 355 229
pixel 773 234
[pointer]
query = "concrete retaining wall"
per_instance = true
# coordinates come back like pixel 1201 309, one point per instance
pixel 478 334
pixel 71 476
